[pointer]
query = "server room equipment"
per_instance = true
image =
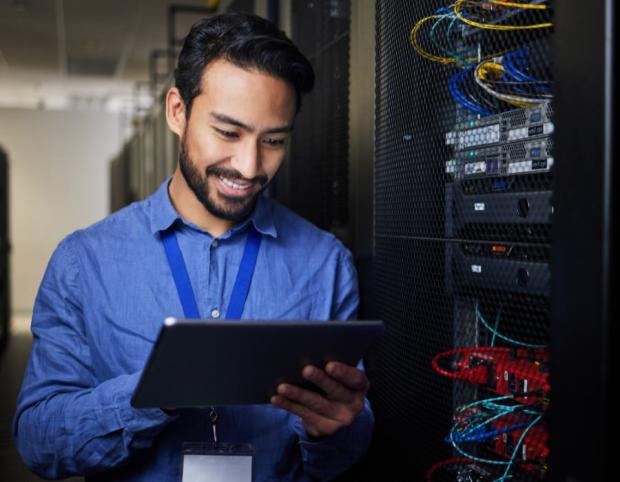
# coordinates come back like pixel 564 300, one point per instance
pixel 486 233
pixel 463 182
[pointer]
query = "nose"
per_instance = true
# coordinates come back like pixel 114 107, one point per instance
pixel 246 159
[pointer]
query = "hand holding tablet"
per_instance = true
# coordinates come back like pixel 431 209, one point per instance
pixel 345 389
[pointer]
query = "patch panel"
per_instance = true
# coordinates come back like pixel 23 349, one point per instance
pixel 508 126
pixel 518 157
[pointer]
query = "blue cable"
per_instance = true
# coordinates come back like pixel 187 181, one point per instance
pixel 451 436
pixel 503 410
pixel 450 27
pixel 519 57
pixel 458 96
pixel 499 335
pixel 512 69
pixel 496 326
pixel 478 435
pixel 471 456
pixel 431 35
pixel 516 449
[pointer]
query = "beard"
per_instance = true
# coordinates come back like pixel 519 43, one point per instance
pixel 235 209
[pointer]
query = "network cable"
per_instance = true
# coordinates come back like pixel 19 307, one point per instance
pixel 515 63
pixel 452 58
pixel 497 334
pixel 502 411
pixel 482 76
pixel 445 463
pixel 505 476
pixel 459 97
pixel 458 5
pixel 529 6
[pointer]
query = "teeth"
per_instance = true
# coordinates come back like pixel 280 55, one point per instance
pixel 234 185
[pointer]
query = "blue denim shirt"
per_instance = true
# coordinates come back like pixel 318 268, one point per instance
pixel 105 294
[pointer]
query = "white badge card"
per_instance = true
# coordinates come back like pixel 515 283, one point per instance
pixel 220 463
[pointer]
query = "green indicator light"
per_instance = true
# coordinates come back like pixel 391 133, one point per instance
pixel 472 123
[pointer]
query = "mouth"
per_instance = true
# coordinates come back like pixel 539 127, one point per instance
pixel 234 188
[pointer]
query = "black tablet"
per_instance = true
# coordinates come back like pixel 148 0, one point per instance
pixel 202 363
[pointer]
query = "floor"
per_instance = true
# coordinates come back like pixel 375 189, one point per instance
pixel 13 361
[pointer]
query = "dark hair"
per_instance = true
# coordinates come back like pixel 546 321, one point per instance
pixel 247 41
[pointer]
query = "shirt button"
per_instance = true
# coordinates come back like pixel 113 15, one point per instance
pixel 214 244
pixel 215 313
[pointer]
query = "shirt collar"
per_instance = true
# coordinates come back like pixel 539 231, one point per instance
pixel 162 214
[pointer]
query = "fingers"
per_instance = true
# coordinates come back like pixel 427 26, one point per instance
pixel 315 424
pixel 335 390
pixel 353 378
pixel 313 402
pixel 345 388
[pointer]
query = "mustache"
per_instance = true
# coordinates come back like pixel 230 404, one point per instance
pixel 234 174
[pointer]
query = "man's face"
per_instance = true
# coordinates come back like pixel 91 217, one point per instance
pixel 236 137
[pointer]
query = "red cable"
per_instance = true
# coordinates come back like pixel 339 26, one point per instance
pixel 438 465
pixel 477 373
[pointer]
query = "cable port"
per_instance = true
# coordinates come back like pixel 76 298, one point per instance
pixel 499 186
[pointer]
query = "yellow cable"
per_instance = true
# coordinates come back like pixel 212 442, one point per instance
pixel 491 26
pixel 435 58
pixel 529 6
pixel 482 73
pixel 427 55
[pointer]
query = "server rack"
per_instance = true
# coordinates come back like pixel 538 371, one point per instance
pixel 483 216
pixel 315 181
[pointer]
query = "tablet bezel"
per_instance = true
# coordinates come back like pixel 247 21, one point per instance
pixel 190 355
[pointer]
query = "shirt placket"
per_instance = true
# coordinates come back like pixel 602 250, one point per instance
pixel 214 308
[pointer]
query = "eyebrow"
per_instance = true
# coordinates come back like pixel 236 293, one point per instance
pixel 237 123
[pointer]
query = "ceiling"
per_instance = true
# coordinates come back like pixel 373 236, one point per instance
pixel 58 54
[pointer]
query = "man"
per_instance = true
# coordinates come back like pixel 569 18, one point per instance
pixel 107 288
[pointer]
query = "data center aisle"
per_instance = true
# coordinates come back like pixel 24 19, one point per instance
pixel 12 364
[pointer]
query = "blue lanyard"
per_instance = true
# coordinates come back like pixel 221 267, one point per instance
pixel 184 285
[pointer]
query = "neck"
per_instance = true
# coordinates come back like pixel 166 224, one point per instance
pixel 192 210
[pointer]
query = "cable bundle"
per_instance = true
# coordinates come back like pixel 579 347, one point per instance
pixel 489 76
pixel 482 420
pixel 483 8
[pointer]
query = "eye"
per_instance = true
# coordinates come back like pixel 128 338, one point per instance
pixel 227 134
pixel 272 141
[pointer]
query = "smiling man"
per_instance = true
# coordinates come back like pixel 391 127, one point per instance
pixel 238 87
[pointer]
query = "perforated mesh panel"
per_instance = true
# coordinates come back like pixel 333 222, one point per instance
pixel 319 148
pixel 463 192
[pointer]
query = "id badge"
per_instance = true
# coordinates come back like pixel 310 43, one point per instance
pixel 217 463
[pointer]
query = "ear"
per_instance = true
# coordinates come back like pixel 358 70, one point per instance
pixel 175 112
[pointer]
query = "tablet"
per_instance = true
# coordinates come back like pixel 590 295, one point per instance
pixel 202 363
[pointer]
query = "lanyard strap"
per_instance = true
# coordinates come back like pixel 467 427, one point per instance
pixel 184 285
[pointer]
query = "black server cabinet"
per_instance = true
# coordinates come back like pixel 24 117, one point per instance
pixel 5 294
pixel 480 260
pixel 314 183
pixel 584 305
